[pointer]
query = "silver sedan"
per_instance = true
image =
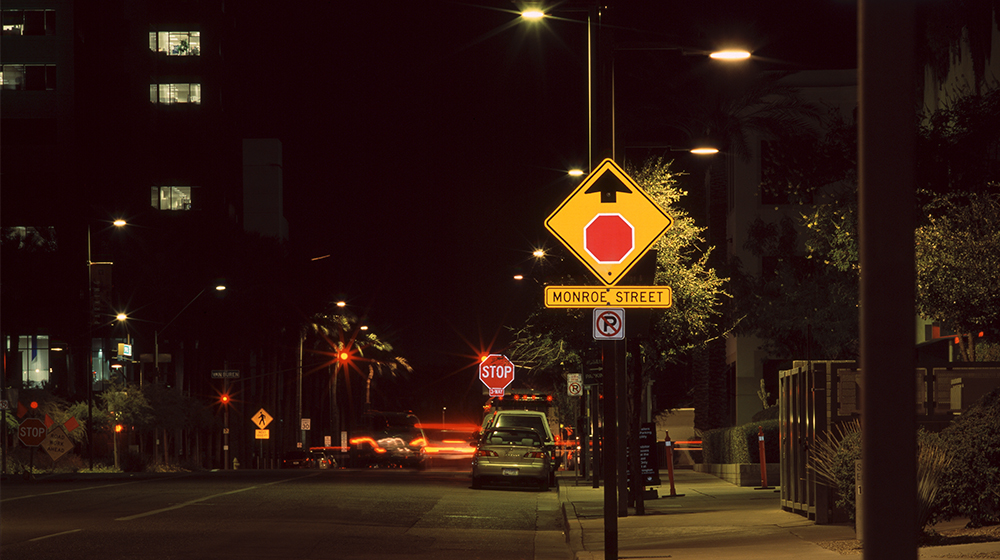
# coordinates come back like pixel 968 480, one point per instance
pixel 511 456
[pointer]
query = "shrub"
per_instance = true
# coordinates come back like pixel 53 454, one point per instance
pixel 834 456
pixel 971 487
pixel 739 444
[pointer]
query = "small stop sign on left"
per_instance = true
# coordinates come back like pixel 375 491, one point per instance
pixel 31 432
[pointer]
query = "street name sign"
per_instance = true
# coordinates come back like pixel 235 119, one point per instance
pixel 225 374
pixel 583 297
pixel 608 222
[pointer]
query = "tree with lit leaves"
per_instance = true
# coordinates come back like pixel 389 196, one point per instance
pixel 958 256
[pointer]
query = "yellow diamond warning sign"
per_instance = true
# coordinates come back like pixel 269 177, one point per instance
pixel 608 222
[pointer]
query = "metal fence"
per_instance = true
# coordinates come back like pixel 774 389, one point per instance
pixel 815 397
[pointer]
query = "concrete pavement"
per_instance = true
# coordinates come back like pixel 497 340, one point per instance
pixel 712 519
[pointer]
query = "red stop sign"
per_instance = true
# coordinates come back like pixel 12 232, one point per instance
pixel 31 432
pixel 496 372
pixel 609 238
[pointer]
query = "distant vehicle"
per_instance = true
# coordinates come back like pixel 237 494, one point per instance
pixel 322 459
pixel 297 459
pixel 450 445
pixel 532 419
pixel 511 456
pixel 388 440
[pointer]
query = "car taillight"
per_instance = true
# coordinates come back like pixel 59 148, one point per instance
pixel 486 453
pixel 535 454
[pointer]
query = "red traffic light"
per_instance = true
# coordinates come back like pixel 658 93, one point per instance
pixel 119 428
pixel 224 399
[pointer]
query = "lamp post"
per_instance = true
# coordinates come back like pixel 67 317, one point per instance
pixel 601 145
pixel 93 301
pixel 156 350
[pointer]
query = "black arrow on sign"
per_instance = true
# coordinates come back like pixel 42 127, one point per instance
pixel 609 185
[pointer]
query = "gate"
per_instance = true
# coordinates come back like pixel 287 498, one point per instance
pixel 816 396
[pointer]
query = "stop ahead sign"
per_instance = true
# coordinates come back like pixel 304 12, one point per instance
pixel 496 372
pixel 31 432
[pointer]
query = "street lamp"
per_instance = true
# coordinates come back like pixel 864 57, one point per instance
pixel 94 302
pixel 156 333
pixel 601 144
pixel 600 67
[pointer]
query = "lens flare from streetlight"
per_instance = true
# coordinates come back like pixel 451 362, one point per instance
pixel 533 14
pixel 704 151
pixel 576 173
pixel 120 223
pixel 732 54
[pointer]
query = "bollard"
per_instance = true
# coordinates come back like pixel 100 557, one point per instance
pixel 670 464
pixel 763 460
pixel 236 464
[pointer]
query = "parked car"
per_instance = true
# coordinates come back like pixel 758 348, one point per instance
pixel 532 419
pixel 512 456
pixel 388 440
pixel 297 459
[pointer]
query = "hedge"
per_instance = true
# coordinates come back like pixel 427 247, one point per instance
pixel 740 444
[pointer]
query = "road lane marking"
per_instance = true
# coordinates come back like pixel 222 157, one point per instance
pixel 206 498
pixel 72 490
pixel 54 535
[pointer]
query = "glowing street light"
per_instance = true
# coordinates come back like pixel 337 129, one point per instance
pixel 730 55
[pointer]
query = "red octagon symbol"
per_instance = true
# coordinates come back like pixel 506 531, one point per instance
pixel 32 432
pixel 609 238
pixel 496 372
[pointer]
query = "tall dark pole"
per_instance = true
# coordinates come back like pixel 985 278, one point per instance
pixel 886 203
pixel 90 354
pixel 609 455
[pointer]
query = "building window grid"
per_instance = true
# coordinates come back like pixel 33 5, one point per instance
pixel 175 43
pixel 29 22
pixel 28 77
pixel 171 198
pixel 170 94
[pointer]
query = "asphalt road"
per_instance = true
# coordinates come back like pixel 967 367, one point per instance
pixel 298 514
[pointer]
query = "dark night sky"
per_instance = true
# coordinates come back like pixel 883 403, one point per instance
pixel 425 142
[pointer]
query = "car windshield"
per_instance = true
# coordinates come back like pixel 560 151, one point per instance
pixel 526 438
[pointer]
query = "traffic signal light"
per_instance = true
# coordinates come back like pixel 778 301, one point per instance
pixel 224 398
pixel 119 428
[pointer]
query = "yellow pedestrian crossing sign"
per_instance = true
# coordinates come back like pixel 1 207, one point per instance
pixel 261 419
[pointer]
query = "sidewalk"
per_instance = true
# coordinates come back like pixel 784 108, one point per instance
pixel 712 519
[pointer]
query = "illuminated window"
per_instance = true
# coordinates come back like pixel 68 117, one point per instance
pixel 29 22
pixel 34 359
pixel 176 43
pixel 170 94
pixel 171 198
pixel 28 77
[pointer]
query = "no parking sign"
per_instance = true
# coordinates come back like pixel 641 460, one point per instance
pixel 609 323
